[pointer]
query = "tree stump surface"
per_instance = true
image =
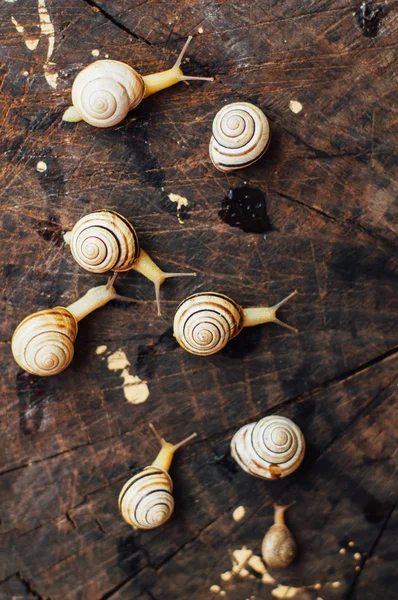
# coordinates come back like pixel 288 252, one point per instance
pixel 69 443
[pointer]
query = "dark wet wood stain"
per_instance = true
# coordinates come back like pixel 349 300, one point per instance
pixel 245 207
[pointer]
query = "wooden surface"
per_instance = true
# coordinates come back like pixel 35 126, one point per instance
pixel 69 443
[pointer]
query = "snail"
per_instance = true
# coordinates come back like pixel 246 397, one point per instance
pixel 279 547
pixel 146 500
pixel 105 91
pixel 105 241
pixel 42 343
pixel 241 135
pixel 270 448
pixel 204 323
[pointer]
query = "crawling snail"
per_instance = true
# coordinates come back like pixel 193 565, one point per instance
pixel 146 500
pixel 271 448
pixel 204 323
pixel 105 91
pixel 42 343
pixel 241 135
pixel 105 241
pixel 279 547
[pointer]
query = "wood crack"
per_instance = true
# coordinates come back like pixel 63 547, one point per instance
pixel 354 583
pixel 116 22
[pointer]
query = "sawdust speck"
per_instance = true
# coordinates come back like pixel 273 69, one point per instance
pixel 135 389
pixel 239 513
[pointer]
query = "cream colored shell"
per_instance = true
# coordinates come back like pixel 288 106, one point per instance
pixel 104 241
pixel 241 135
pixel 105 91
pixel 271 448
pixel 146 500
pixel 204 323
pixel 279 548
pixel 42 343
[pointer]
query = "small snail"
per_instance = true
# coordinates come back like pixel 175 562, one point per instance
pixel 105 241
pixel 146 499
pixel 279 548
pixel 241 135
pixel 204 323
pixel 42 343
pixel 105 91
pixel 271 448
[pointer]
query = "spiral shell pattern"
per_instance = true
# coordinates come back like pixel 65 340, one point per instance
pixel 146 500
pixel 42 343
pixel 279 548
pixel 271 448
pixel 104 241
pixel 105 91
pixel 241 135
pixel 204 323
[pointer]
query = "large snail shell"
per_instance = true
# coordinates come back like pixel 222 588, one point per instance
pixel 241 135
pixel 105 91
pixel 146 500
pixel 279 548
pixel 42 343
pixel 204 323
pixel 104 241
pixel 271 448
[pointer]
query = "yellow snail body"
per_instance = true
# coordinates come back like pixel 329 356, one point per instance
pixel 105 241
pixel 105 91
pixel 271 448
pixel 42 343
pixel 241 135
pixel 146 500
pixel 204 323
pixel 279 548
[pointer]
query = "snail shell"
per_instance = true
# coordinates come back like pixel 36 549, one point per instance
pixel 104 241
pixel 204 323
pixel 271 448
pixel 42 343
pixel 241 135
pixel 105 91
pixel 279 548
pixel 146 500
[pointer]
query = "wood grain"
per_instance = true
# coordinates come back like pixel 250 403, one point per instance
pixel 70 442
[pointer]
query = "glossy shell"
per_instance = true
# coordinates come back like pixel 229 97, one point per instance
pixel 104 241
pixel 146 500
pixel 204 323
pixel 241 135
pixel 271 448
pixel 105 91
pixel 42 343
pixel 278 548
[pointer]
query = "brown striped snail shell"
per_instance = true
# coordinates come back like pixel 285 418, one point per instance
pixel 104 241
pixel 279 548
pixel 204 323
pixel 146 500
pixel 42 343
pixel 241 135
pixel 272 448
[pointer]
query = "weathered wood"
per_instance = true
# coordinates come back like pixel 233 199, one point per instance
pixel 71 441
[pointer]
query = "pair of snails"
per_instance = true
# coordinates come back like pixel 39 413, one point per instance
pixel 105 241
pixel 106 90
pixel 146 500
pixel 271 448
